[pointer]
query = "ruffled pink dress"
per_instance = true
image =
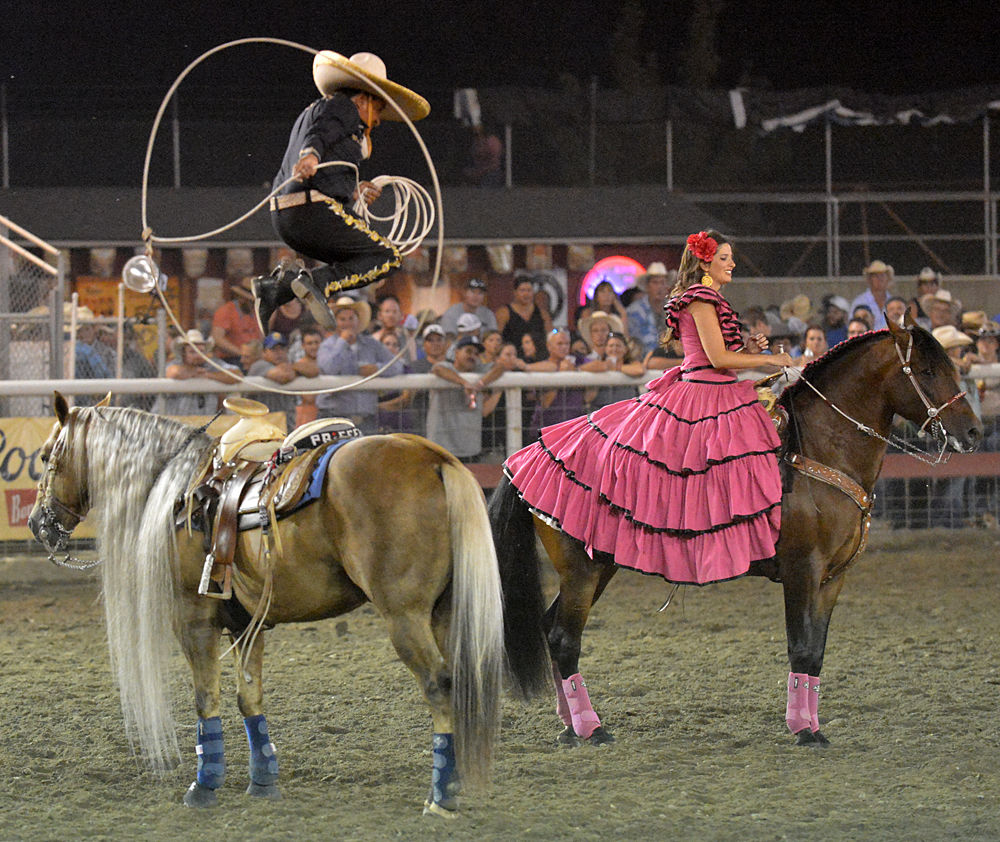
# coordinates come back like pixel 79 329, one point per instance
pixel 682 481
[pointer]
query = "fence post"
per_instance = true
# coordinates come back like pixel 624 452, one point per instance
pixel 515 432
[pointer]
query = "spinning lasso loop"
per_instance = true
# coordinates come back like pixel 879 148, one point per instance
pixel 409 228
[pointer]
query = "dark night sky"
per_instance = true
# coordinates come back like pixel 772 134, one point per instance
pixel 889 46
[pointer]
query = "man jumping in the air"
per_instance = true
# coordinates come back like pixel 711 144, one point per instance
pixel 313 213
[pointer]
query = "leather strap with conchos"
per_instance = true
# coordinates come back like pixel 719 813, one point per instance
pixel 839 480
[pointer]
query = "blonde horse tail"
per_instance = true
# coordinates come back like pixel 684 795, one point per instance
pixel 139 591
pixel 476 640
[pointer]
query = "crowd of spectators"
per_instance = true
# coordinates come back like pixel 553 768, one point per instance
pixel 471 344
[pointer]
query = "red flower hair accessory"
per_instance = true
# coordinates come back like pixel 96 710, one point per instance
pixel 702 246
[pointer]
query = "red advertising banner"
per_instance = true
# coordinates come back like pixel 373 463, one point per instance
pixel 19 503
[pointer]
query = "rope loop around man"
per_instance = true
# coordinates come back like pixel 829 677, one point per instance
pixel 406 191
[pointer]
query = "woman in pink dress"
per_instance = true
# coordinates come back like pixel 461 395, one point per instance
pixel 683 480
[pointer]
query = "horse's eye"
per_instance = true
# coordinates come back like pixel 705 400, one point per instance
pixel 44 457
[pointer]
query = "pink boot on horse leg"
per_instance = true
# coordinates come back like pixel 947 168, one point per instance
pixel 802 709
pixel 576 711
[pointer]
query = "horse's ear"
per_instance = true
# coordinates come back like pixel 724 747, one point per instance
pixel 898 332
pixel 105 401
pixel 908 320
pixel 60 407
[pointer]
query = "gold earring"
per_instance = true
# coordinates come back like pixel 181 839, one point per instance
pixel 707 281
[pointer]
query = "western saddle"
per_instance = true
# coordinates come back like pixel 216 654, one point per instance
pixel 253 476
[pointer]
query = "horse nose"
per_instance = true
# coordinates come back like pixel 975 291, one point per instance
pixel 33 519
pixel 975 437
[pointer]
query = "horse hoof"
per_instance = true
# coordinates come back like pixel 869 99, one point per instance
pixel 812 739
pixel 200 796
pixel 569 738
pixel 601 737
pixel 269 791
pixel 432 809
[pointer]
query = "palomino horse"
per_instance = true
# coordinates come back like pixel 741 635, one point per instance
pixel 839 427
pixel 400 523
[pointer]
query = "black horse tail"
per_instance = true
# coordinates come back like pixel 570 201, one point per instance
pixel 529 663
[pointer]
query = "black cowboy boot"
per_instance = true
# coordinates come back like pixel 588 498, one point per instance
pixel 309 293
pixel 270 292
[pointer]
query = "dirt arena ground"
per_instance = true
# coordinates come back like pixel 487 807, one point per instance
pixel 695 696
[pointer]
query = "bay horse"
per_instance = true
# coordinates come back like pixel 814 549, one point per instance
pixel 400 524
pixel 840 415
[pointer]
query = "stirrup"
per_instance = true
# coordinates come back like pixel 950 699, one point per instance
pixel 216 579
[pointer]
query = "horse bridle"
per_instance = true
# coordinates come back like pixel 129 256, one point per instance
pixel 51 532
pixel 937 428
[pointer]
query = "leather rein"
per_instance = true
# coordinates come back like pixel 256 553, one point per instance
pixel 863 499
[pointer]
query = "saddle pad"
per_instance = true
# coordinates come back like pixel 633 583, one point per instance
pixel 250 509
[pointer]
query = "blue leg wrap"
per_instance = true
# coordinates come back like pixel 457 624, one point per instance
pixel 263 760
pixel 211 754
pixel 445 784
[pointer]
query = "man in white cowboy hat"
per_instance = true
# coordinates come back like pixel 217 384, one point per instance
pixel 645 314
pixel 189 365
pixel 941 309
pixel 879 276
pixel 351 351
pixel 312 212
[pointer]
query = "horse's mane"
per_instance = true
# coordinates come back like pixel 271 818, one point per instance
pixel 815 370
pixel 137 465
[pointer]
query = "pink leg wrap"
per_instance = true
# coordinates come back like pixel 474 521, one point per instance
pixel 814 703
pixel 797 710
pixel 585 720
pixel 562 706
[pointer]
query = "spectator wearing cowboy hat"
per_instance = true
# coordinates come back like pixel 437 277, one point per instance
pixel 928 282
pixel 879 276
pixel 311 212
pixel 350 351
pixel 472 304
pixel 644 315
pixel 192 348
pixel 234 322
pixel 796 313
pixel 941 309
pixel 595 329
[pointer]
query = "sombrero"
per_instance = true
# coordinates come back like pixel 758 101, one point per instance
pixel 366 72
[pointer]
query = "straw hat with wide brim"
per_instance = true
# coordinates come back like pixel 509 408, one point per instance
pixel 366 72
pixel 799 307
pixel 950 337
pixel 944 297
pixel 362 308
pixel 611 319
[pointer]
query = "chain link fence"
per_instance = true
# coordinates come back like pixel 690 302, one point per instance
pixel 31 316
